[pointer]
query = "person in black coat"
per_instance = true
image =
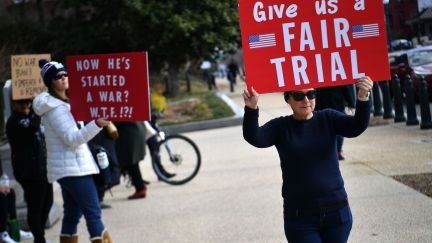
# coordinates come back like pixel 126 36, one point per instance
pixel 337 98
pixel 130 148
pixel 28 154
pixel 232 74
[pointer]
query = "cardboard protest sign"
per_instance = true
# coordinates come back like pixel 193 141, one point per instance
pixel 26 79
pixel 115 86
pixel 297 44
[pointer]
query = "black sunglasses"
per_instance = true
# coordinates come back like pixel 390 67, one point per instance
pixel 299 96
pixel 60 76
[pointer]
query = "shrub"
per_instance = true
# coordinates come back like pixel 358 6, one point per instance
pixel 158 101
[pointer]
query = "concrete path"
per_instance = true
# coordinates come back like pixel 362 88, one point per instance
pixel 236 195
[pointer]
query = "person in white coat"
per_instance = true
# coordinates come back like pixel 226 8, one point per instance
pixel 69 160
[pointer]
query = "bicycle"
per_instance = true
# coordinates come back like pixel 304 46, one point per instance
pixel 176 159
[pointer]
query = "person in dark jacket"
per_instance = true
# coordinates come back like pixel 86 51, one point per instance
pixel 232 74
pixel 337 98
pixel 28 154
pixel 130 148
pixel 315 202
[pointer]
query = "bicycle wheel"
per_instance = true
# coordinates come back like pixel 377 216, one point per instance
pixel 179 160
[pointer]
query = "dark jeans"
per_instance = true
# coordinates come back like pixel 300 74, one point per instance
pixel 39 198
pixel 232 80
pixel 329 227
pixel 80 197
pixel 7 209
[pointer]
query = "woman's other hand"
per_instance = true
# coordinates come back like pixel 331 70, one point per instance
pixel 4 189
pixel 364 85
pixel 251 98
pixel 102 122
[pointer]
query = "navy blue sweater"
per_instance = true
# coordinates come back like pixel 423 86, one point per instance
pixel 307 151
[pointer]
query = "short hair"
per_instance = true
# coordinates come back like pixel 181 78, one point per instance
pixel 286 95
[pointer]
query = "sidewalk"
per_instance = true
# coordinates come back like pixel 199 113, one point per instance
pixel 236 195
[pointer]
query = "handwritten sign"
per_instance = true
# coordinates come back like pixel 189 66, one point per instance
pixel 109 85
pixel 26 79
pixel 297 44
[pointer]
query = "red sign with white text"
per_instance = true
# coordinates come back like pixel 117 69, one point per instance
pixel 298 44
pixel 115 86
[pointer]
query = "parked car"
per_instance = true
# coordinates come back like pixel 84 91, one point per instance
pixel 414 62
pixel 401 44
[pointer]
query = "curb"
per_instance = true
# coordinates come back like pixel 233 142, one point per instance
pixel 235 120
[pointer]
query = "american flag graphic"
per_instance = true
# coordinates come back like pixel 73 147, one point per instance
pixel 365 30
pixel 264 40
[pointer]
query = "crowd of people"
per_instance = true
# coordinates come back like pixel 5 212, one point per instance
pixel 48 145
pixel 230 70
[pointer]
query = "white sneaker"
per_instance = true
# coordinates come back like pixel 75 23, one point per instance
pixel 6 238
pixel 26 234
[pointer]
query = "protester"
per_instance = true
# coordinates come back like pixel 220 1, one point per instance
pixel 316 207
pixel 337 97
pixel 69 160
pixel 130 148
pixel 28 154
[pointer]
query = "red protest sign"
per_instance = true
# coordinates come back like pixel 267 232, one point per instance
pixel 109 85
pixel 297 44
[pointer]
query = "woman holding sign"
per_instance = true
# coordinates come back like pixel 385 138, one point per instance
pixel 316 207
pixel 69 160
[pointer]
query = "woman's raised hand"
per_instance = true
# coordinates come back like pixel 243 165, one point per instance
pixel 251 98
pixel 364 85
pixel 102 122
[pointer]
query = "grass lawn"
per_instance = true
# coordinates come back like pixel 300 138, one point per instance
pixel 198 105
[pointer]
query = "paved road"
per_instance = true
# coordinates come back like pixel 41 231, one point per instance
pixel 236 196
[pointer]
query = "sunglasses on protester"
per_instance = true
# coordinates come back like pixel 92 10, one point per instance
pixel 299 96
pixel 60 76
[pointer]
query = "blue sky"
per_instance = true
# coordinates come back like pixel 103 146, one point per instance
pixel 424 3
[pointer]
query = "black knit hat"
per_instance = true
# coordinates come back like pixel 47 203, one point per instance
pixel 49 70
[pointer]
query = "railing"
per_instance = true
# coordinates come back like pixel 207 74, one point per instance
pixel 401 97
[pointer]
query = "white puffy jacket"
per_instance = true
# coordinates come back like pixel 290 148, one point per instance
pixel 67 150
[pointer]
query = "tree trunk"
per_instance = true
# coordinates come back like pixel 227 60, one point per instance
pixel 40 10
pixel 188 82
pixel 174 85
pixel 187 77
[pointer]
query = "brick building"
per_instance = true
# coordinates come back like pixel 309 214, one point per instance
pixel 407 21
